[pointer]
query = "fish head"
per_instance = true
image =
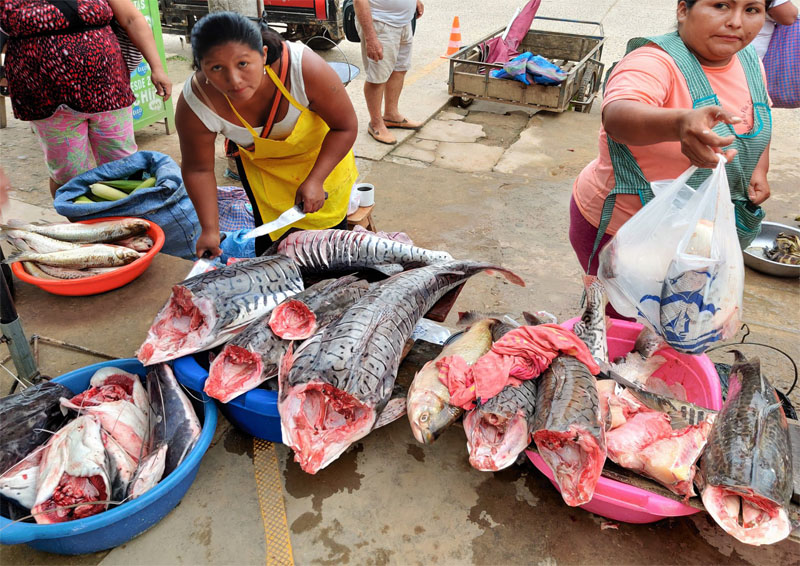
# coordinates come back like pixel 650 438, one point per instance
pixel 495 440
pixel 429 414
pixel 320 422
pixel 126 255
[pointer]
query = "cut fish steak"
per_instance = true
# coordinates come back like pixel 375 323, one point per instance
pixel 339 380
pixel 206 310
pixel 569 431
pixel 747 464
pixel 253 356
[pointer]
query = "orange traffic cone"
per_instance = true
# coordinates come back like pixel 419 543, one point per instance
pixel 455 39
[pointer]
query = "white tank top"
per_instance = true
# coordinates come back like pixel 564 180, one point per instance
pixel 240 134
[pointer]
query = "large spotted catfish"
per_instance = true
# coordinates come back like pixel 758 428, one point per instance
pixel 206 310
pixel 338 382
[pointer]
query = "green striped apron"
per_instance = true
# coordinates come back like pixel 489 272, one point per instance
pixel 628 176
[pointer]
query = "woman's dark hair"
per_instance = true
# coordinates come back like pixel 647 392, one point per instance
pixel 690 3
pixel 219 28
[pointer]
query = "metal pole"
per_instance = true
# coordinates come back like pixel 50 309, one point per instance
pixel 14 336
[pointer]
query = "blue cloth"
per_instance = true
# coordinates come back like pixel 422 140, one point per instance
pixel 166 204
pixel 234 245
pixel 235 210
pixel 514 69
pixel 544 72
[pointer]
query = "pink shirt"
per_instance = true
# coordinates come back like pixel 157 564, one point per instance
pixel 650 75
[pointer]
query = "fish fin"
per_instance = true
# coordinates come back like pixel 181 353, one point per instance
pixel 283 372
pixel 539 317
pixel 468 318
pixel 13 224
pixel 508 274
pixel 394 409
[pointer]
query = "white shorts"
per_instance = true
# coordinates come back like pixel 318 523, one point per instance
pixel 396 43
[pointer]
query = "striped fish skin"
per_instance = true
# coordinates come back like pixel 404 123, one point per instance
pixel 428 406
pixel 747 463
pixel 206 310
pixel 501 428
pixel 339 379
pixel 252 356
pixel 592 328
pixel 318 251
pixel 569 431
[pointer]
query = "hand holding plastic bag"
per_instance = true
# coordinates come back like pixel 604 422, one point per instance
pixel 677 264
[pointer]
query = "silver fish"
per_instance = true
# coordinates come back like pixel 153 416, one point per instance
pixel 206 310
pixel 141 243
pixel 341 250
pixel 747 464
pixel 99 232
pixel 96 255
pixel 62 272
pixel 339 380
pixel 36 242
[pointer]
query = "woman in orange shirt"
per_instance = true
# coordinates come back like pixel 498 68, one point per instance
pixel 673 101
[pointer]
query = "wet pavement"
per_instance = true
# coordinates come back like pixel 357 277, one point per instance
pixel 489 183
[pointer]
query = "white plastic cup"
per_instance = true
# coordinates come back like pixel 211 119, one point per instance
pixel 366 194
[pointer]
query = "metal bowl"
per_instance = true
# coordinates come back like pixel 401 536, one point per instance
pixel 754 254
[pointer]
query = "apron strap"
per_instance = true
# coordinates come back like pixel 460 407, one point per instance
pixel 278 96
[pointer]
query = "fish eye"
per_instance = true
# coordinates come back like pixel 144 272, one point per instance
pixel 423 418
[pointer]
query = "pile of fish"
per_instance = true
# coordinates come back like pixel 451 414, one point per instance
pixel 739 458
pixel 335 345
pixel 76 251
pixel 120 441
pixel 785 249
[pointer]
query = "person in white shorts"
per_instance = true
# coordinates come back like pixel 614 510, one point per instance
pixel 384 27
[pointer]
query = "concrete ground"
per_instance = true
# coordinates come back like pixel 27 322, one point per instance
pixel 489 183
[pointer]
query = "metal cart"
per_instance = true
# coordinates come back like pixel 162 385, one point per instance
pixel 578 55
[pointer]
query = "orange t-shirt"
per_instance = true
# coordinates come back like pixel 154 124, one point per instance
pixel 650 75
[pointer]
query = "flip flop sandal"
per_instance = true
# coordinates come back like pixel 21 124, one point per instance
pixel 388 140
pixel 405 124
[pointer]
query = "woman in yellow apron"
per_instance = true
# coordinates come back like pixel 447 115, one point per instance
pixel 288 112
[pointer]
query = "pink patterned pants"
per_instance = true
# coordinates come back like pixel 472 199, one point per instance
pixel 68 137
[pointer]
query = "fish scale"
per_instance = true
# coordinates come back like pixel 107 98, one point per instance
pixel 358 355
pixel 332 250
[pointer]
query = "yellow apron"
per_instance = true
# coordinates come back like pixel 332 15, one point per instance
pixel 276 168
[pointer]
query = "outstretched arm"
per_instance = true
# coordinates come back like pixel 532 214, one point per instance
pixel 137 28
pixel 197 169
pixel 636 123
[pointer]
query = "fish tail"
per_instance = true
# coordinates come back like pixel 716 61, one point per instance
pixel 13 224
pixel 18 256
pixel 508 274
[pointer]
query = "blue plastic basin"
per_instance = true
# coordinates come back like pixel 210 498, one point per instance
pixel 119 524
pixel 254 412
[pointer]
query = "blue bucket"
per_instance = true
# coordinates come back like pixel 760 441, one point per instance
pixel 120 524
pixel 254 412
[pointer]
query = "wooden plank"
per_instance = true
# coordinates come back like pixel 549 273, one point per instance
pixel 442 308
pixel 794 437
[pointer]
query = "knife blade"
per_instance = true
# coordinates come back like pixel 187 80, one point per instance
pixel 287 217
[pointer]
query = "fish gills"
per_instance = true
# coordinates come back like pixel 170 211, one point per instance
pixel 206 310
pixel 569 430
pixel 342 377
pixel 428 406
pixel 747 464
pixel 500 429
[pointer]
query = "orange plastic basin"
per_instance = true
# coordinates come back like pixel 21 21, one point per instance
pixel 104 281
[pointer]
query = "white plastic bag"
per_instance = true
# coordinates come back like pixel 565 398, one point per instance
pixel 677 265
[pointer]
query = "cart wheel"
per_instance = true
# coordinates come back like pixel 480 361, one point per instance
pixel 463 101
pixel 585 92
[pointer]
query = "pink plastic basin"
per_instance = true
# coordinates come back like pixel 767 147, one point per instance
pixel 622 502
